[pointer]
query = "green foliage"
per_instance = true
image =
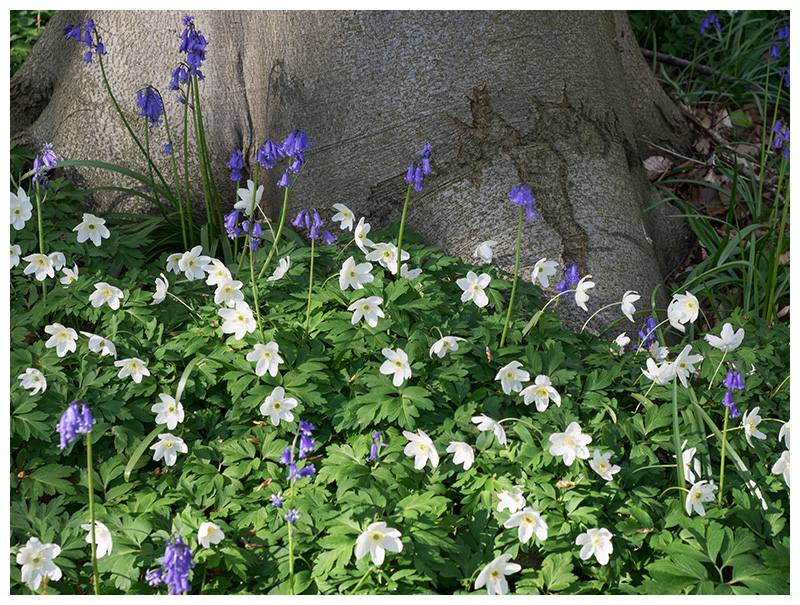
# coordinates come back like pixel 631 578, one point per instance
pixel 25 29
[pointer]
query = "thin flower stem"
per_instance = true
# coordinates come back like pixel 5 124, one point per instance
pixel 203 582
pixel 714 375
pixel 677 440
pixel 722 457
pixel 249 244
pixel 310 284
pixel 179 203
pixel 646 336
pixel 277 237
pixel 598 311
pixel 400 234
pixel 370 570
pixel 39 201
pixel 91 511
pixel 516 276
pixel 190 223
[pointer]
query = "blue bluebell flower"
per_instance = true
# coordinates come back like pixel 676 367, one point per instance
pixel 284 182
pixel 294 474
pixel 255 235
pixel 329 238
pixel 236 163
pixel 306 446
pixel 310 219
pixel 276 500
pixel 306 428
pixel 733 380
pixel 167 149
pixel 571 277
pixel 74 422
pixel 728 402
pixel 710 20
pixel 286 457
pixel 417 171
pixel 522 196
pixel 231 227
pixel 150 105
pixel 44 163
pixel 376 444
pixel 176 564
pixel 308 471
pixel 86 38
pixel 292 516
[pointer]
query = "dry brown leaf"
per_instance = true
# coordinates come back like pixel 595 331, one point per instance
pixel 656 166
pixel 783 312
pixel 783 259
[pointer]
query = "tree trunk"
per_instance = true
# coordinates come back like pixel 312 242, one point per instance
pixel 560 100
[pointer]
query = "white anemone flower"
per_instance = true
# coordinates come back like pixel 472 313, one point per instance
pixel 40 265
pixel 361 239
pixel 376 540
pixel 62 338
pixel 683 366
pixel 422 448
pixel 167 411
pixel 386 255
pixel 266 358
pixel 368 308
pixel 630 297
pixel 601 464
pixel 216 272
pixel 487 424
pixel 658 353
pixel 445 344
pixel 580 292
pixel 542 271
pixel 570 444
pixel 238 321
pixel 784 432
pixel 750 422
pixel 133 367
pixel 493 576
pixel 102 538
pixel 278 407
pixel 511 377
pixel 209 533
pixel 462 453
pixel 93 228
pixel 683 309
pixel 473 287
pixel 21 209
pixel 595 542
pixel 33 379
pixel 37 562
pixel 529 522
pixel 162 285
pixel 702 491
pixel 396 363
pixel 344 217
pixel 168 448
pixel 541 392
pixel 512 500
pixel 727 341
pixel 409 274
pixel 691 465
pixel 781 467
pixel 621 341
pixel 58 259
pixel 245 203
pixel 70 275
pixel 484 250
pixel 16 253
pixel 193 263
pixel 660 374
pixel 106 293
pixel 355 275
pixel 228 292
pixel 98 344
pixel 280 271
pixel 174 262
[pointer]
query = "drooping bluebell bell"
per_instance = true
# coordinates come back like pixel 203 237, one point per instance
pixel 276 500
pixel 310 219
pixel 255 235
pixel 646 336
pixel 417 171
pixel 521 196
pixel 193 43
pixel 733 380
pixel 284 182
pixel 176 564
pixel 293 475
pixel 295 146
pixel 306 446
pixel 167 149
pixel 286 457
pixel 306 428
pixel 774 53
pixel 231 226
pixel 86 38
pixel 710 20
pixel 292 516
pixel 44 163
pixel 236 163
pixel 150 105
pixel 329 238
pixel 308 471
pixel 376 444
pixel 729 403
pixel 74 422
pixel 571 277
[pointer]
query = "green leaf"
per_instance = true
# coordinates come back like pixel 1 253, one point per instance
pixel 557 572
pixel 137 453
pixel 739 118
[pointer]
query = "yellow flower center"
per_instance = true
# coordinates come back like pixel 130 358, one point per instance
pixel 376 537
pixel 569 442
pixel 542 392
pixel 168 445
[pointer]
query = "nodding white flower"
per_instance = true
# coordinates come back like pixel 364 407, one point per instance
pixel 162 285
pixel 750 421
pixel 683 365
pixel 658 352
pixel 422 448
pixel 602 466
pixel 21 208
pixel 168 448
pixel 691 466
pixel 39 264
pixel 33 379
pixel 362 241
pixel 487 424
pixel 580 292
pixel 785 430
pixel 106 293
pixel 541 391
pixel 462 452
pixel 595 542
pixel 445 344
pixel 37 562
pixel 621 341
pixel 570 444
pixel 484 250
pixel 376 540
pixel 245 203
pixel 530 523
pixel 102 538
pixel 511 377
pixel 411 274
pixel 280 271
pixel 63 339
pixel 133 367
pixel 368 308
pixel 542 271
pixel 344 217
pixel 228 292
pixel 238 321
pixel 16 252
pixel 174 262
pixel 660 374
pixel 266 358
pixel 396 363
pixel 726 341
pixel 98 344
pixel 386 255
pixel 70 275
pixel 702 491
pixel 209 533
pixel 682 309
pixel 277 406
pixel 473 287
pixel 630 297
pixel 782 467
pixel 513 500
pixel 92 228
pixel 217 272
pixel 193 263
pixel 355 276
pixel 58 259
pixel 167 411
pixel 493 576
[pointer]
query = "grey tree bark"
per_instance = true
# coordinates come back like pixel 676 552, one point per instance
pixel 560 100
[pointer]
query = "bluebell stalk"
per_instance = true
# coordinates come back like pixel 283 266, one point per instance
pixel 414 178
pixel 376 444
pixel 733 382
pixel 176 564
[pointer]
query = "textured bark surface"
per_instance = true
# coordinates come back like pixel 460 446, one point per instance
pixel 560 100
